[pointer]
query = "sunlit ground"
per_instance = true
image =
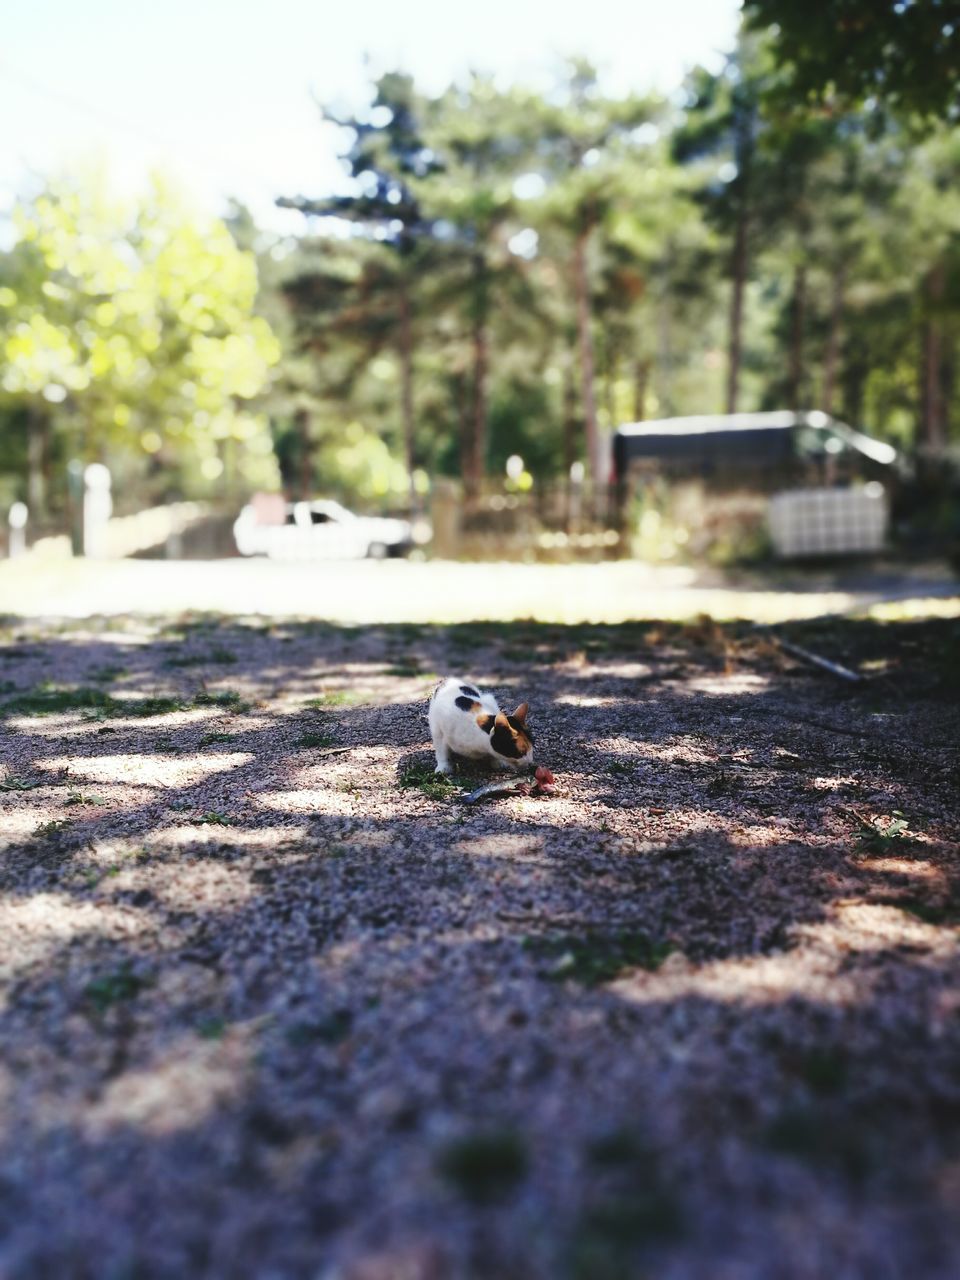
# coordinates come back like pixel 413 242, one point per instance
pixel 276 1002
pixel 447 592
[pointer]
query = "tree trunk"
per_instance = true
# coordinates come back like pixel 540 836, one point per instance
pixel 36 463
pixel 933 417
pixel 611 367
pixel 569 415
pixel 641 378
pixel 587 376
pixel 739 273
pixel 570 433
pixel 461 396
pixel 473 475
pixel 302 420
pixel 406 389
pixel 798 309
pixel 831 360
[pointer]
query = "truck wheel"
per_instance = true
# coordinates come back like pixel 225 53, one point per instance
pixel 377 551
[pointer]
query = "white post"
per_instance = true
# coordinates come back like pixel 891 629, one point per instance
pixel 97 507
pixel 17 519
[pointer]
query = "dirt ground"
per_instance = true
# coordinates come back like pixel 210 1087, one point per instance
pixel 274 1003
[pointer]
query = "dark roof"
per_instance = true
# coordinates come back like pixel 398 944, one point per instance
pixel 760 435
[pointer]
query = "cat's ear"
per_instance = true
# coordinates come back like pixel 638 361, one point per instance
pixel 520 713
pixel 486 723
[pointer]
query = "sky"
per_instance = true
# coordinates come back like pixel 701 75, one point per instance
pixel 221 94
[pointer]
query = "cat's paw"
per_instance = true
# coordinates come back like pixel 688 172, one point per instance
pixel 445 769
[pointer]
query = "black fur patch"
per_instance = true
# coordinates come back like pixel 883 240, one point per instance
pixel 504 743
pixel 521 728
pixel 467 704
pixel 471 693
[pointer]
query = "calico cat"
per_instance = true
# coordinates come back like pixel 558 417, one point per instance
pixel 467 722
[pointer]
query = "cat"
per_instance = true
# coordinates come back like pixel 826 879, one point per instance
pixel 466 722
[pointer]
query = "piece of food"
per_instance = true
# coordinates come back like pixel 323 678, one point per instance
pixel 506 787
pixel 545 781
pixel 544 784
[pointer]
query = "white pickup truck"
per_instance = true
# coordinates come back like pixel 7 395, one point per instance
pixel 320 530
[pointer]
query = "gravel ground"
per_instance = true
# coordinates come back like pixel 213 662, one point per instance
pixel 274 1003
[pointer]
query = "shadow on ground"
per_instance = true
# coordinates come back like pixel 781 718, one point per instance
pixel 277 1003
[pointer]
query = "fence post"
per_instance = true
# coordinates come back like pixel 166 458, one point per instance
pixel 17 519
pixel 75 505
pixel 445 513
pixel 97 507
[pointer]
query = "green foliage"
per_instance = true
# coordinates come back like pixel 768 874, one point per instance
pixel 114 988
pixel 214 818
pixel 875 837
pixel 484 1166
pixel 216 657
pixel 315 740
pixel 905 56
pixel 596 957
pixel 229 699
pixel 127 328
pixel 435 786
pixel 49 699
pixel 525 270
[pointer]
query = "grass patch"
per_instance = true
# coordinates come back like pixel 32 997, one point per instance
pixel 209 739
pixel 880 839
pixel 214 818
pixel 632 1208
pixel 16 653
pixel 825 1070
pixel 610 1232
pixel 315 740
pixel 211 1028
pixel 159 705
pixel 53 828
pixel 619 1148
pixel 107 674
pixel 77 797
pixel 336 698
pixel 593 958
pixel 814 1137
pixel 435 786
pixel 215 657
pixel 48 700
pixel 227 698
pixel 114 988
pixel 484 1166
pixel 18 784
pixel 331 1030
pixel 936 913
pixel 620 769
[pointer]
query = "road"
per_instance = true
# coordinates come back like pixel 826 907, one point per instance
pixel 444 591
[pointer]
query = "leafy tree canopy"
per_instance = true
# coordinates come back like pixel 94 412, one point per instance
pixel 900 54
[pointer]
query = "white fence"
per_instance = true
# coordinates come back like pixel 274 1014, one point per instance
pixel 810 522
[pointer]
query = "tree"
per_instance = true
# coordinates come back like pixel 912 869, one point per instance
pixel 903 54
pixel 127 329
pixel 481 137
pixel 721 126
pixel 386 153
pixel 588 150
